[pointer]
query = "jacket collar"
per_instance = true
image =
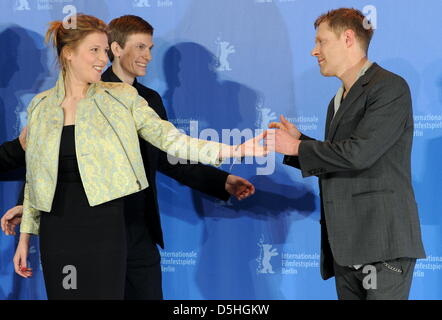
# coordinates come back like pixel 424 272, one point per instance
pixel 354 93
pixel 60 92
pixel 110 76
pixel 340 93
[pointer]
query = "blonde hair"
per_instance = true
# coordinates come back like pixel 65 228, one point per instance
pixel 348 18
pixel 62 38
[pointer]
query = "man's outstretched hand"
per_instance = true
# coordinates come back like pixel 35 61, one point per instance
pixel 11 219
pixel 239 187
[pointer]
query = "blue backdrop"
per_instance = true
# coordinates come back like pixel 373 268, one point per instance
pixel 239 64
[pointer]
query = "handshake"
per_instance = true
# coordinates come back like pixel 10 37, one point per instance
pixel 284 139
pixel 287 137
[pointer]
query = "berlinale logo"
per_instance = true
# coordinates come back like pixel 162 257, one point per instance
pixel 265 255
pixel 264 116
pixel 21 5
pixel 141 3
pixel 224 50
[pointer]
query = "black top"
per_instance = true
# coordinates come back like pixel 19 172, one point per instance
pixel 67 160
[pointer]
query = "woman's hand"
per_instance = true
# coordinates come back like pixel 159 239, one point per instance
pixel 253 147
pixel 250 148
pixel 21 256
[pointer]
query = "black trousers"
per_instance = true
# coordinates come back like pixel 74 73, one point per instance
pixel 143 269
pixel 385 280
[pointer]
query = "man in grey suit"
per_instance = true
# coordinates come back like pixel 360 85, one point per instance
pixel 369 220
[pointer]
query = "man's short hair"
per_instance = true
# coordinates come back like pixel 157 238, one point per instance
pixel 121 28
pixel 343 19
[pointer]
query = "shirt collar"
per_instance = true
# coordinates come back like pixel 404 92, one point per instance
pixel 114 78
pixel 340 93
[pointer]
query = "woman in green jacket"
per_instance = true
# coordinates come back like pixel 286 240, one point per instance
pixel 83 157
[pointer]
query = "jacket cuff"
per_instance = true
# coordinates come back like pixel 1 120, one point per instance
pixel 220 180
pixel 30 219
pixel 29 228
pixel 307 159
pixel 209 154
pixel 292 161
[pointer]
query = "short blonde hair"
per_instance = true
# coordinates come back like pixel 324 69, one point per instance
pixel 342 19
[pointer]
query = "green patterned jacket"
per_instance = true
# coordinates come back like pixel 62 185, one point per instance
pixel 108 122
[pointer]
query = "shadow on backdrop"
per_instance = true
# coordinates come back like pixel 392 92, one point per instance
pixel 23 65
pixel 194 91
pixel 428 150
pixel 203 85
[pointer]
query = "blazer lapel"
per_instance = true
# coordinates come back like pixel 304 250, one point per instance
pixel 328 120
pixel 355 92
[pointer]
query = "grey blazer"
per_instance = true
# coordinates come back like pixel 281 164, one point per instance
pixel 368 210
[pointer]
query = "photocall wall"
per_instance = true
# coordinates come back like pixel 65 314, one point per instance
pixel 226 65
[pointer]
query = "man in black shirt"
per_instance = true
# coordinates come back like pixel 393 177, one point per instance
pixel 12 154
pixel 130 40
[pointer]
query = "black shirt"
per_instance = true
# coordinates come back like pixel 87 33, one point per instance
pixel 12 155
pixel 200 177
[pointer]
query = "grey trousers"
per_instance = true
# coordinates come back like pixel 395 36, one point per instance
pixel 385 280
